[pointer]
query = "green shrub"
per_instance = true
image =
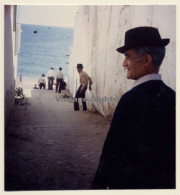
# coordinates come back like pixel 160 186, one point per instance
pixel 19 93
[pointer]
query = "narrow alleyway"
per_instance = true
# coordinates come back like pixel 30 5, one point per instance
pixel 48 146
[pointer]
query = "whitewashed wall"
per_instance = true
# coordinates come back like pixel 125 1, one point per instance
pixel 99 30
pixel 11 50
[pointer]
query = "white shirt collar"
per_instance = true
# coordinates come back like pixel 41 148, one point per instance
pixel 145 78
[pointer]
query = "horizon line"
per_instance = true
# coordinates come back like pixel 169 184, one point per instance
pixel 46 25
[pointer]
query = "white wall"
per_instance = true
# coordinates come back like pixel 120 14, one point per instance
pixel 12 34
pixel 99 30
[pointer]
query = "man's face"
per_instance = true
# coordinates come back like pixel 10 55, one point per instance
pixel 134 65
pixel 79 69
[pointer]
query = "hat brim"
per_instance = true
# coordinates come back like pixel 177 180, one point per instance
pixel 125 48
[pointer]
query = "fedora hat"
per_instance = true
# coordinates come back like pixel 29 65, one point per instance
pixel 79 66
pixel 141 37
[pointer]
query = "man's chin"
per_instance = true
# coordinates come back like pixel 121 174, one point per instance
pixel 131 77
pixel 128 77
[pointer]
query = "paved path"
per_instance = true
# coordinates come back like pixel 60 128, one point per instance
pixel 51 147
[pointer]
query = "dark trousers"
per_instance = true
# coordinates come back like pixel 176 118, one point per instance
pixel 50 83
pixel 80 95
pixel 42 85
pixel 58 85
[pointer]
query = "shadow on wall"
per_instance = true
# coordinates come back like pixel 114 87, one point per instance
pixel 9 81
pixel 12 34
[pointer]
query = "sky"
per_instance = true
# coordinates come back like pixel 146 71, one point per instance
pixel 50 15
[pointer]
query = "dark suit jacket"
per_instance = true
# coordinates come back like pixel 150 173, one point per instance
pixel 139 151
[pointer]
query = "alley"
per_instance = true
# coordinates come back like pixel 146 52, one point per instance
pixel 48 146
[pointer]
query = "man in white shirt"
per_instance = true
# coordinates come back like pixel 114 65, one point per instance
pixel 42 82
pixel 59 80
pixel 51 75
pixel 139 151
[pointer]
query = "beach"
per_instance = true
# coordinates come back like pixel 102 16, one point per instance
pixel 27 82
pixel 49 146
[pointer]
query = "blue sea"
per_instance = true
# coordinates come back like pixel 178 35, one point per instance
pixel 39 51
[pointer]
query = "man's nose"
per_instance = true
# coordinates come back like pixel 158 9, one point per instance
pixel 124 63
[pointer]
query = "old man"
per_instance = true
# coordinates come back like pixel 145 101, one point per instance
pixel 139 151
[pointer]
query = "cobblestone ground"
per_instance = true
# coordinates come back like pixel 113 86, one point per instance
pixel 48 146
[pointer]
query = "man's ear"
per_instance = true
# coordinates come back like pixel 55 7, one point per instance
pixel 147 59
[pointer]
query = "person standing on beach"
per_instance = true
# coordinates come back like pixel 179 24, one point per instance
pixel 84 80
pixel 59 80
pixel 139 150
pixel 42 82
pixel 20 79
pixel 51 75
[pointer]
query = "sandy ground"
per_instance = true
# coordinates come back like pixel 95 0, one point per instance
pixel 49 146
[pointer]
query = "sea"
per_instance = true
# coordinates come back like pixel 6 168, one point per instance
pixel 42 47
